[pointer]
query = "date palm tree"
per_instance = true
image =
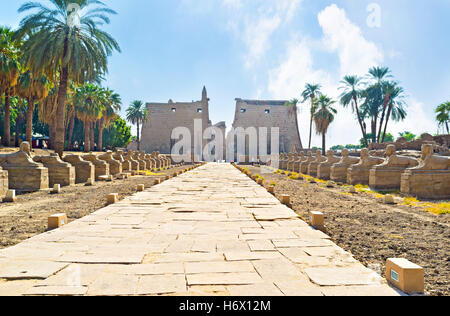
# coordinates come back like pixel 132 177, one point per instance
pixel 33 89
pixel 65 42
pixel 310 93
pixel 323 117
pixel 137 114
pixel 112 104
pixel 395 105
pixel 9 72
pixel 351 94
pixel 89 108
pixel 443 115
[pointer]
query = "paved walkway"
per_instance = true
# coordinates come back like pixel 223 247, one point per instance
pixel 212 231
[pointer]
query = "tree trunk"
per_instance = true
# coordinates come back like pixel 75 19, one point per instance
pixel 7 121
pixel 61 109
pixel 92 127
pixel 29 129
pixel 138 137
pixel 100 137
pixel 374 130
pixel 387 121
pixel 87 137
pixel 71 127
pixel 446 125
pixel 386 100
pixel 363 130
pixel 52 132
pixel 17 127
pixel 323 144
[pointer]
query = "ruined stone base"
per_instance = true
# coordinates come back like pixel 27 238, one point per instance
pixel 357 175
pixel 324 172
pixel 426 184
pixel 101 170
pixel 304 167
pixel 339 174
pixel 312 169
pixel 65 176
pixel 24 179
pixel 385 179
pixel 3 182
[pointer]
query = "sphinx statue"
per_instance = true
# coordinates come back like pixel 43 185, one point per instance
pixel 360 173
pixel 115 166
pixel 134 165
pixel 101 166
pixel 283 161
pixel 148 163
pixel 142 163
pixel 24 174
pixel 387 176
pixel 84 170
pixel 305 164
pixel 59 172
pixel 430 179
pixel 119 156
pixel 324 168
pixel 296 165
pixel 339 170
pixel 291 159
pixel 312 168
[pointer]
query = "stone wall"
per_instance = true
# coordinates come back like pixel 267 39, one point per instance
pixel 254 113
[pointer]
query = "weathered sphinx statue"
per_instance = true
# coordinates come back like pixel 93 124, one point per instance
pixel 148 163
pixel 142 163
pixel 84 170
pixel 59 172
pixel 430 179
pixel 115 166
pixel 301 158
pixel 24 174
pixel 360 173
pixel 324 168
pixel 101 166
pixel 133 163
pixel 312 168
pixel 305 164
pixel 283 161
pixel 339 170
pixel 291 158
pixel 119 156
pixel 387 176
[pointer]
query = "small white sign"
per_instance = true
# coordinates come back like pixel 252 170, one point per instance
pixel 394 276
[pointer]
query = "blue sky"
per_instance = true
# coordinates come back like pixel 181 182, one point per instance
pixel 269 49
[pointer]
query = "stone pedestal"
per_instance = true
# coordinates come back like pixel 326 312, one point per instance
pixel 101 166
pixel 324 168
pixel 142 163
pixel 290 163
pixel 134 165
pixel 296 165
pixel 59 172
pixel 24 175
pixel 283 161
pixel 84 170
pixel 119 156
pixel 115 166
pixel 3 182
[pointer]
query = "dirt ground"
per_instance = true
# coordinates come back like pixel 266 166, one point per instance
pixel 28 216
pixel 374 232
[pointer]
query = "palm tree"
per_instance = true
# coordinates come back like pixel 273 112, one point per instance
pixel 379 75
pixel 64 47
pixel 112 104
pixel 396 106
pixel 443 115
pixel 9 72
pixel 293 111
pixel 352 92
pixel 323 117
pixel 310 93
pixel 89 109
pixel 137 114
pixel 33 89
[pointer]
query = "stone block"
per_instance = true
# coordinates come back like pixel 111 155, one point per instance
pixel 317 220
pixel 113 198
pixel 59 172
pixel 101 166
pixel 56 189
pixel 141 187
pixel 57 221
pixel 3 182
pixel 405 275
pixel 10 196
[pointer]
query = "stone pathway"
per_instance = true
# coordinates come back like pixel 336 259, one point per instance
pixel 211 231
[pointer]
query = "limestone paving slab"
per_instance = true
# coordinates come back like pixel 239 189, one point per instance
pixel 212 231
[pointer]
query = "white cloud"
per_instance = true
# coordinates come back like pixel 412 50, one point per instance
pixel 356 54
pixel 255 23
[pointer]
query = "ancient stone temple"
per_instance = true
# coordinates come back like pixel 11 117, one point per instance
pixel 165 117
pixel 269 114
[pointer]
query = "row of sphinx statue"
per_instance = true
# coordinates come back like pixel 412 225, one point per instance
pixel 426 178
